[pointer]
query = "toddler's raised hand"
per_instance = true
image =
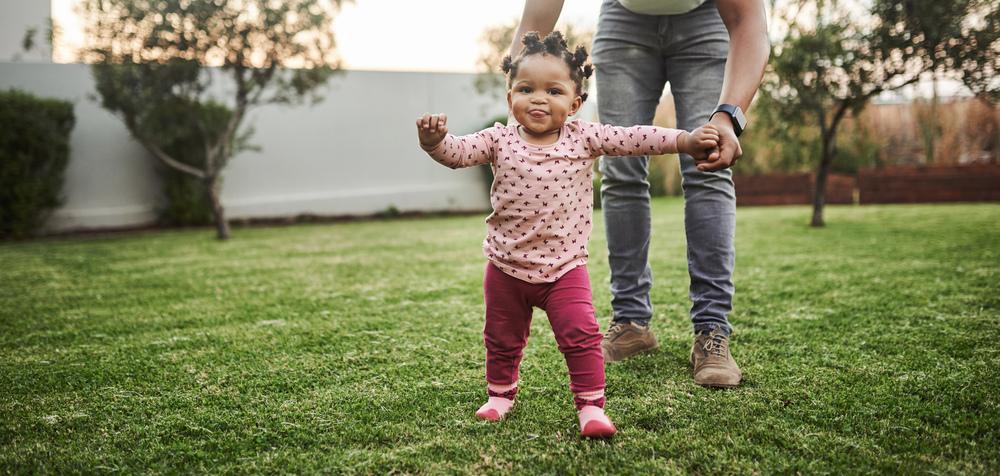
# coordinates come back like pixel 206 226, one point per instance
pixel 701 142
pixel 431 128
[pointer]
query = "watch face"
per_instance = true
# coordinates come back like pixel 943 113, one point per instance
pixel 734 112
pixel 740 118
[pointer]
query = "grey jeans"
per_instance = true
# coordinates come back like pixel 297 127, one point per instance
pixel 635 55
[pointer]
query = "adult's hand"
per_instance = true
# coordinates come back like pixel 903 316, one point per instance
pixel 729 150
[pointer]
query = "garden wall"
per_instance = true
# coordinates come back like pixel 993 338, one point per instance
pixel 899 184
pixel 963 183
pixel 790 189
pixel 355 153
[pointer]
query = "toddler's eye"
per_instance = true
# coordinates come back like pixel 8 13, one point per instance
pixel 524 89
pixel 555 91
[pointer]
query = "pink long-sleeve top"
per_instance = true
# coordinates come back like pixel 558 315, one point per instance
pixel 542 195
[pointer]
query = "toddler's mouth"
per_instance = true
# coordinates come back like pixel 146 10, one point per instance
pixel 537 113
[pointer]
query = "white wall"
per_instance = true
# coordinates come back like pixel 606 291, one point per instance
pixel 354 153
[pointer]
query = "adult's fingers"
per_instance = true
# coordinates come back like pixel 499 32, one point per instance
pixel 725 159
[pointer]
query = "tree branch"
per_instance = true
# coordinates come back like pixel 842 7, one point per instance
pixel 159 153
pixel 169 161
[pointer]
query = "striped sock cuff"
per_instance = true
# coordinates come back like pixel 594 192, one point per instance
pixel 595 398
pixel 503 391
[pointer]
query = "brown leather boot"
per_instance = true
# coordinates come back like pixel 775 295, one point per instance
pixel 713 364
pixel 623 340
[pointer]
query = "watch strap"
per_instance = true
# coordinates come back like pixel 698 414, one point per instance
pixel 735 114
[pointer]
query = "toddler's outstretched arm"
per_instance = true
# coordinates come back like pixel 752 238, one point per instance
pixel 449 150
pixel 650 140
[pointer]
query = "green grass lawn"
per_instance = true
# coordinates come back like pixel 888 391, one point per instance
pixel 872 345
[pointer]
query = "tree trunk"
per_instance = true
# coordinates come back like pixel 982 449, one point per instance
pixel 218 213
pixel 930 158
pixel 819 194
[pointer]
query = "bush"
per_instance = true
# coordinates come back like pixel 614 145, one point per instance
pixel 185 201
pixel 34 151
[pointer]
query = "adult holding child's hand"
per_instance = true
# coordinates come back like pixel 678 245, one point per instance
pixel 712 53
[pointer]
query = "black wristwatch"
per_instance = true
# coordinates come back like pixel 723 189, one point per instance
pixel 736 114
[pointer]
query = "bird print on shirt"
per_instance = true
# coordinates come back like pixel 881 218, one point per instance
pixel 543 195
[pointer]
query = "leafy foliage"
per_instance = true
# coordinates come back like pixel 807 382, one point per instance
pixel 184 200
pixel 167 55
pixel 833 65
pixel 34 151
pixel 962 37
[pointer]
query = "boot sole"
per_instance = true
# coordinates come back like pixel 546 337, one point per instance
pixel 718 385
pixel 598 430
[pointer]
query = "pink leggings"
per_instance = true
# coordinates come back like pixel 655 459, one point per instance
pixel 568 303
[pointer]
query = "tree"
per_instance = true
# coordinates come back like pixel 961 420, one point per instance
pixel 496 42
pixel 151 56
pixel 836 63
pixel 977 56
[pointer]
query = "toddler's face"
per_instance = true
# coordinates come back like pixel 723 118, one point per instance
pixel 542 95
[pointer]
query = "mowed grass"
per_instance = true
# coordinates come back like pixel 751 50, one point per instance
pixel 868 346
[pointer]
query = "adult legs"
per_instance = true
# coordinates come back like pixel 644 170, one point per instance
pixel 630 79
pixel 695 65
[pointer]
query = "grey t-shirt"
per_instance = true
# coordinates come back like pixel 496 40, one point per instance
pixel 661 7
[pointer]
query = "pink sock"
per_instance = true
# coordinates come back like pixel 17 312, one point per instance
pixel 593 422
pixel 501 399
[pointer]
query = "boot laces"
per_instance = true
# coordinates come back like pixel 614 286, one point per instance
pixel 614 329
pixel 716 344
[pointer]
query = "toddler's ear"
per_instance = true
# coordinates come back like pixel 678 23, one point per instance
pixel 577 103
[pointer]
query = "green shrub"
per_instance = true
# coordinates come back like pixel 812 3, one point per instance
pixel 34 151
pixel 185 202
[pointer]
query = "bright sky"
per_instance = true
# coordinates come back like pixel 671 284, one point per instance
pixel 396 35
pixel 425 35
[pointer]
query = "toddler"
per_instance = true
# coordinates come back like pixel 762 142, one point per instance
pixel 542 199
